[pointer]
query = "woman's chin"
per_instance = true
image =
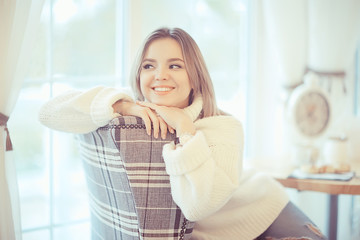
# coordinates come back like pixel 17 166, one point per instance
pixel 169 103
pixel 162 103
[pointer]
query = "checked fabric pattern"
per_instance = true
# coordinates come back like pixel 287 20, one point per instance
pixel 129 189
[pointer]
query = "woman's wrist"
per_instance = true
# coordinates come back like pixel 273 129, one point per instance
pixel 185 132
pixel 183 138
pixel 186 127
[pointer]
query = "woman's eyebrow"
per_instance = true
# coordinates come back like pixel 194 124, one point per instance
pixel 169 60
pixel 175 59
pixel 148 60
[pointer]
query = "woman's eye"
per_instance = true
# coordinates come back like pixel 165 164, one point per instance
pixel 174 66
pixel 148 66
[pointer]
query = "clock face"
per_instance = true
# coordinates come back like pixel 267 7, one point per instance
pixel 312 114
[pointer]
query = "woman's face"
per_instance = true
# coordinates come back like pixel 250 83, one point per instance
pixel 163 77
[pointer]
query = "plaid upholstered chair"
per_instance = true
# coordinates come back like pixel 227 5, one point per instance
pixel 129 189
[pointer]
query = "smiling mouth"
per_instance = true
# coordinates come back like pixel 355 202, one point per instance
pixel 162 89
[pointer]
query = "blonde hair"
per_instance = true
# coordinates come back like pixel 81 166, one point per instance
pixel 194 63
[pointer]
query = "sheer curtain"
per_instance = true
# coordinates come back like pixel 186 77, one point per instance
pixel 321 35
pixel 18 22
pixel 289 37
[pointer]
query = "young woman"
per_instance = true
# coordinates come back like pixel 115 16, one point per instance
pixel 173 92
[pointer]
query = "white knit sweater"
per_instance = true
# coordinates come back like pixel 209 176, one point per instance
pixel 208 181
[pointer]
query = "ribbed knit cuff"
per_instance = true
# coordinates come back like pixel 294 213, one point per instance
pixel 184 159
pixel 101 109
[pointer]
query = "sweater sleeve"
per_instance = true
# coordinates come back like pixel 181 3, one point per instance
pixel 205 172
pixel 81 112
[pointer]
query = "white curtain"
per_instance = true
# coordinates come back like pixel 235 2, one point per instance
pixel 265 132
pixel 289 37
pixel 286 28
pixel 18 23
pixel 334 28
pixel 319 34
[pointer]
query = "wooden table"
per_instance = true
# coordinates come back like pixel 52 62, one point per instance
pixel 333 188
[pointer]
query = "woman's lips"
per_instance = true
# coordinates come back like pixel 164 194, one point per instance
pixel 162 90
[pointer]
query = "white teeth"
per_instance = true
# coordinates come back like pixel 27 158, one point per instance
pixel 162 89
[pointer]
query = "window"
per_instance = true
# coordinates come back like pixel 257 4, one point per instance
pixel 68 53
pixel 83 43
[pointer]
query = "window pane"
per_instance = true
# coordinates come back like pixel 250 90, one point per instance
pixel 84 37
pixel 31 144
pixel 36 235
pixel 73 232
pixel 70 195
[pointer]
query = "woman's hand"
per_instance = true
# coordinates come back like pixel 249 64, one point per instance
pixel 149 117
pixel 174 117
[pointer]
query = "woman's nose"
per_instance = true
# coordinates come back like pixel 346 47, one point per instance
pixel 161 74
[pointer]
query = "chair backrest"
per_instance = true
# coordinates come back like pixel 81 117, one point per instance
pixel 129 189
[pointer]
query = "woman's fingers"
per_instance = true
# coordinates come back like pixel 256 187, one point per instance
pixel 167 116
pixel 163 127
pixel 145 117
pixel 155 122
pixel 150 119
pixel 158 124
pixel 147 111
pixel 171 129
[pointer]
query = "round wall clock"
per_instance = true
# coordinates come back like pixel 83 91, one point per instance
pixel 309 110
